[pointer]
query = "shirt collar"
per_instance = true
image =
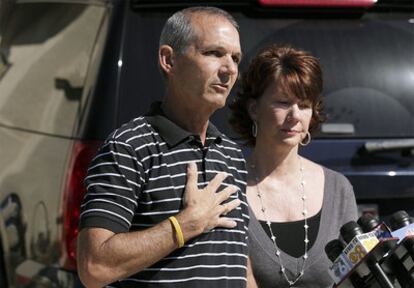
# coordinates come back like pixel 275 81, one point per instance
pixel 171 132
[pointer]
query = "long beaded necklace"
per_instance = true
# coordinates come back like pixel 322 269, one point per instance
pixel 305 226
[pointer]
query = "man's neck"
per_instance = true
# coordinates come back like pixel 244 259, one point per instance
pixel 189 119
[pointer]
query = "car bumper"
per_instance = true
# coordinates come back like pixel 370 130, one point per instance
pixel 36 275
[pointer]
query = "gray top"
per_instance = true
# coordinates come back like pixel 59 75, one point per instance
pixel 338 208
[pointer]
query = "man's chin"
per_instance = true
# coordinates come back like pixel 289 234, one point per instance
pixel 217 101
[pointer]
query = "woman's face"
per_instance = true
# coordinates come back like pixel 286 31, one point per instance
pixel 280 116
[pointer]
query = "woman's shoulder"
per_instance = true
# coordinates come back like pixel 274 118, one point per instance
pixel 335 177
pixel 315 168
pixel 338 186
pixel 332 178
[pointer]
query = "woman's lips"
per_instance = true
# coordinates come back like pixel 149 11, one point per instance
pixel 290 131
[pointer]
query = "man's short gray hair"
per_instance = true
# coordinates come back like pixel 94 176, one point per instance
pixel 178 31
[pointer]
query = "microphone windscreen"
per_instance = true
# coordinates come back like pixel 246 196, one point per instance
pixel 333 249
pixel 368 222
pixel 399 219
pixel 350 230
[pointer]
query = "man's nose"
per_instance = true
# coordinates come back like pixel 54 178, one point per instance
pixel 229 66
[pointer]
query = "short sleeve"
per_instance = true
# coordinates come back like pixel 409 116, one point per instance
pixel 113 184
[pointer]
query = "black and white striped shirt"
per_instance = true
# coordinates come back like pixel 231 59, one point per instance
pixel 137 180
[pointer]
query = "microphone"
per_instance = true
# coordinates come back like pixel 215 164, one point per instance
pixel 391 263
pixel 352 259
pixel 333 250
pixel 369 223
pixel 403 227
pixel 352 233
pixel 400 219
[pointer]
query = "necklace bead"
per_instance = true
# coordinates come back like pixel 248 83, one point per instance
pixel 305 226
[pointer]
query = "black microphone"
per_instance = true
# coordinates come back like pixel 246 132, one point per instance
pixel 402 225
pixel 348 232
pixel 333 249
pixel 368 222
pixel 390 263
pixel 400 220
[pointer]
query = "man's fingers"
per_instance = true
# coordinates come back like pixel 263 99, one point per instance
pixel 192 176
pixel 228 207
pixel 224 194
pixel 216 181
pixel 226 222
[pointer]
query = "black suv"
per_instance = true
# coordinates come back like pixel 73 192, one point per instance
pixel 72 71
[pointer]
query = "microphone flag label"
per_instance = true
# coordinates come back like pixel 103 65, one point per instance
pixel 403 232
pixel 352 255
pixel 382 231
pixel 340 268
pixel 360 246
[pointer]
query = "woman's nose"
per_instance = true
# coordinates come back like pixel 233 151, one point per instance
pixel 294 113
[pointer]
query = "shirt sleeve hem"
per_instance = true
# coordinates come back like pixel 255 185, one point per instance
pixel 100 222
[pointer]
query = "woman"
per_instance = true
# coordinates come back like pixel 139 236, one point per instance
pixel 297 206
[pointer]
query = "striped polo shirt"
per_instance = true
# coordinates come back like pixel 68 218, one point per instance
pixel 137 180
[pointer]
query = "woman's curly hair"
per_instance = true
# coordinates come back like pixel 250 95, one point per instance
pixel 296 72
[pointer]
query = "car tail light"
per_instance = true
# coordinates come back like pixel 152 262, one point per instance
pixel 317 3
pixel 82 154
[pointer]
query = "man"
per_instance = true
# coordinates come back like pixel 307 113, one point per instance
pixel 149 218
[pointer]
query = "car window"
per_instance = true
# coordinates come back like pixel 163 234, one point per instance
pixel 141 81
pixel 368 66
pixel 46 51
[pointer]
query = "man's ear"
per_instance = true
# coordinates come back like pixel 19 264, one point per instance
pixel 252 109
pixel 166 58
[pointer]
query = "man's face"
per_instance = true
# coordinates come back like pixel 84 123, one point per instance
pixel 204 74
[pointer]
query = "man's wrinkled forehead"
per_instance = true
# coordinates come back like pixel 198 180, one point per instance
pixel 200 20
pixel 203 14
pixel 205 24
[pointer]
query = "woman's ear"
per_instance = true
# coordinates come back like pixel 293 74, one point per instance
pixel 166 58
pixel 252 109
